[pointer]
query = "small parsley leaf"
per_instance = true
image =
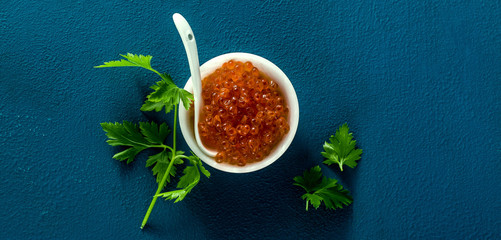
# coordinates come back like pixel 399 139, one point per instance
pixel 166 94
pixel 128 154
pixel 150 106
pixel 341 149
pixel 322 189
pixel 131 60
pixel 188 181
pixel 161 162
pixel 153 133
pixel 128 134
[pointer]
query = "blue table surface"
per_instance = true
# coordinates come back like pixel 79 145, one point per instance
pixel 418 82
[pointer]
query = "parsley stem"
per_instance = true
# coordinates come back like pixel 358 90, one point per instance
pixel 164 178
pixel 160 146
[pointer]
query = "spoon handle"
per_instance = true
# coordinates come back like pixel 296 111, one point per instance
pixel 190 45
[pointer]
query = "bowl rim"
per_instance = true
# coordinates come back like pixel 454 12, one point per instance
pixel 285 84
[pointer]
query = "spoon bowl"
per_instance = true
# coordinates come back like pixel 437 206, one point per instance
pixel 188 123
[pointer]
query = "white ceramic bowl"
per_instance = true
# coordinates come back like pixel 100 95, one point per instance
pixel 277 75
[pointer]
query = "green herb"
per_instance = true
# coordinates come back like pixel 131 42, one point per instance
pixel 167 95
pixel 322 189
pixel 131 60
pixel 148 135
pixel 151 135
pixel 189 180
pixel 341 149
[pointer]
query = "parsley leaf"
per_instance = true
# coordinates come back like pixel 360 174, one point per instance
pixel 150 106
pixel 341 149
pixel 147 135
pixel 161 162
pixel 131 60
pixel 167 95
pixel 188 181
pixel 153 133
pixel 322 189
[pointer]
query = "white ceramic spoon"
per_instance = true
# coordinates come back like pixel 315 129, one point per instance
pixel 190 45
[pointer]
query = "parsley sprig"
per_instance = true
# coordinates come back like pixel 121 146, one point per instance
pixel 340 150
pixel 322 189
pixel 168 96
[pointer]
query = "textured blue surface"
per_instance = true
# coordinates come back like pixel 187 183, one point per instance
pixel 419 83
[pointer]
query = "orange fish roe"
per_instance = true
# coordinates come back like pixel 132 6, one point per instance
pixel 244 114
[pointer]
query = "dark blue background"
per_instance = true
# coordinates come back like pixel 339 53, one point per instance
pixel 418 82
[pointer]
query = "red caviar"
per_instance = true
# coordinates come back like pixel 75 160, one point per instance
pixel 244 114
